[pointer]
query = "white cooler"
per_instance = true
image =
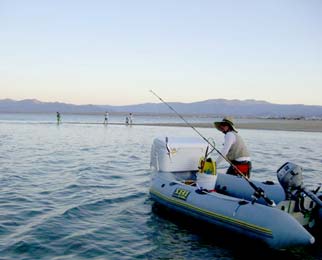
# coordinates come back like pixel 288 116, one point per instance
pixel 177 154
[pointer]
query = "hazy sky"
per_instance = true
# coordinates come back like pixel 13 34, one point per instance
pixel 115 51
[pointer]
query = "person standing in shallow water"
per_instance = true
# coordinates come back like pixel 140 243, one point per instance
pixel 234 148
pixel 130 119
pixel 106 118
pixel 58 117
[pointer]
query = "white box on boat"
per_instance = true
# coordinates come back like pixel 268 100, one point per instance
pixel 175 154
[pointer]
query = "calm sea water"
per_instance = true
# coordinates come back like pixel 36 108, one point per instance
pixel 81 191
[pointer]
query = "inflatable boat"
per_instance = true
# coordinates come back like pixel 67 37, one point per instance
pixel 230 202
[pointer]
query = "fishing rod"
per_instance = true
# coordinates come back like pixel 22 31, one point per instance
pixel 203 162
pixel 259 192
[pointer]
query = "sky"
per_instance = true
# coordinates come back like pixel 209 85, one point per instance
pixel 112 52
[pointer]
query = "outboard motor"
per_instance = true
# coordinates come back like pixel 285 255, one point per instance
pixel 290 177
pixel 300 202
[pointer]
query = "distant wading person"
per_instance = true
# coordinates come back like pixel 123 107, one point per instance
pixel 106 118
pixel 58 117
pixel 234 148
pixel 130 119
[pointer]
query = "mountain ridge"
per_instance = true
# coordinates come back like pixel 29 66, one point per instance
pixel 218 107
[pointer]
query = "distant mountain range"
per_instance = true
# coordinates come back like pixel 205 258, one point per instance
pixel 216 107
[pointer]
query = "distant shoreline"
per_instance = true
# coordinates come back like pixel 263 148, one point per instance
pixel 302 125
pixel 260 124
pixel 284 125
pixel 256 124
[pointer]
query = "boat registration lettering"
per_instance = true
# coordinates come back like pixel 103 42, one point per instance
pixel 181 193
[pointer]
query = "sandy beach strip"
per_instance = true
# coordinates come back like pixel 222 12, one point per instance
pixel 284 125
pixel 259 124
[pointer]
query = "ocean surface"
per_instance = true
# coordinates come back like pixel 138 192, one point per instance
pixel 80 190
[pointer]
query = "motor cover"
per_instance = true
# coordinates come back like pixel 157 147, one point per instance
pixel 290 176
